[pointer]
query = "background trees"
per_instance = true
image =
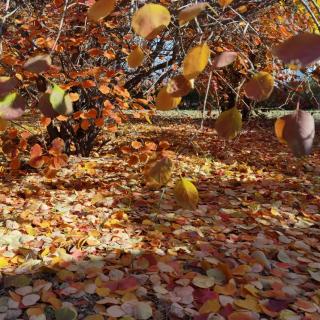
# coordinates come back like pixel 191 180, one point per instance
pixel 89 60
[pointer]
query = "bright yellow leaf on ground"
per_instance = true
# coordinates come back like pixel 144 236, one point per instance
pixel 135 58
pixel 165 101
pixel 196 60
pixel 101 9
pixel 150 20
pixel 191 12
pixel 229 123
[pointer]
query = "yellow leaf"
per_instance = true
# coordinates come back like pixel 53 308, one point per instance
pixel 165 102
pixel 229 123
pixel 186 194
pixel 249 303
pixel 224 3
pixel 159 173
pixel 101 9
pixel 3 262
pixel 135 58
pixel 210 306
pixel 202 281
pixel 196 60
pixel 150 20
pixel 103 292
pixel 259 87
pixel 191 12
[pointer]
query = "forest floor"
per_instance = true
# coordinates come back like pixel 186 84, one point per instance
pixel 96 243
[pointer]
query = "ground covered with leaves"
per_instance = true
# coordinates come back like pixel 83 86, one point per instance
pixel 96 243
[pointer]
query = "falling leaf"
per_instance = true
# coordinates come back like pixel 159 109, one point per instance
pixel 179 86
pixel 202 281
pixel 12 106
pixel 191 12
pixel 38 64
pixel 298 132
pixel 165 102
pixel 135 58
pixel 303 48
pixel 150 20
pixel 229 123
pixel 54 102
pixel 224 59
pixel 196 61
pixel 260 86
pixel 186 194
pixel 159 173
pixel 7 84
pixel 101 9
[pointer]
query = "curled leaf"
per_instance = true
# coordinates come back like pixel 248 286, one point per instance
pixel 229 123
pixel 165 102
pixel 191 12
pixel 100 9
pixel 186 194
pixel 150 20
pixel 260 87
pixel 196 61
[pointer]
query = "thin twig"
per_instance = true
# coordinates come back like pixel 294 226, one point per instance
pixel 205 101
pixel 314 18
pixel 60 26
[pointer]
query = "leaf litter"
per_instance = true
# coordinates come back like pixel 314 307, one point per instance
pixel 97 243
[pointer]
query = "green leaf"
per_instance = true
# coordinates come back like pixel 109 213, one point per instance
pixel 60 100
